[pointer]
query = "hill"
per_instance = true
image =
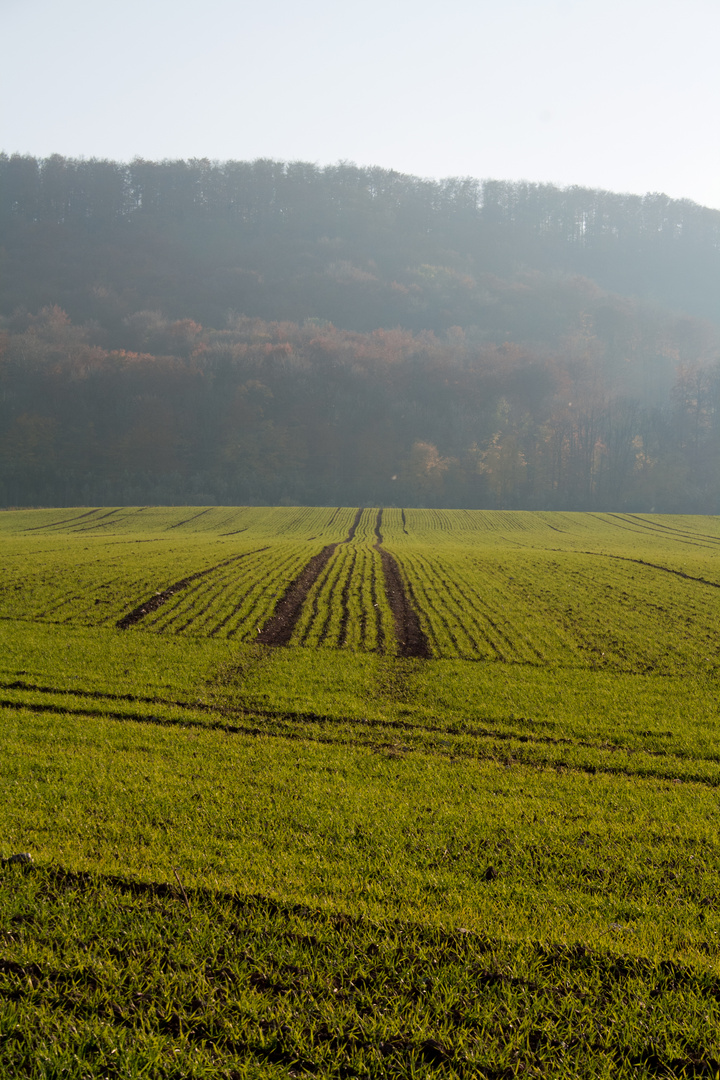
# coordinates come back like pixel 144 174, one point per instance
pixel 264 331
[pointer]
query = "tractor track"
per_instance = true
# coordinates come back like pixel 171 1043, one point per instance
pixel 279 628
pixel 411 638
pixel 491 751
pixel 652 566
pixel 160 598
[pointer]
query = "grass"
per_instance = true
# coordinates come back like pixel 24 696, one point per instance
pixel 378 830
pixel 247 987
pixel 326 860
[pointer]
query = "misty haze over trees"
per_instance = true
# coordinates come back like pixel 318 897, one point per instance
pixel 195 332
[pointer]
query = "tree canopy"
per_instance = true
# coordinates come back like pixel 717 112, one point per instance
pixel 255 332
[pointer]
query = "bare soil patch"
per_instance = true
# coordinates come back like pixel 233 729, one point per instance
pixel 353 527
pixel 160 598
pixel 410 635
pixel 279 628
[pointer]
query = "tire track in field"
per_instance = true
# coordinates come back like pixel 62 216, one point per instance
pixel 640 529
pixel 363 620
pixel 471 728
pixel 278 629
pixel 101 521
pixel 52 524
pixel 161 598
pixel 410 635
pixel 338 570
pixel 345 600
pixel 379 631
pixel 652 566
pixel 655 526
pixel 488 749
pixel 194 517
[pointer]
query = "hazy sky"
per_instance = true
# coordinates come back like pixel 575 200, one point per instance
pixel 618 94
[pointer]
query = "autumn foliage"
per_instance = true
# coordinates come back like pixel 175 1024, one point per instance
pixel 268 332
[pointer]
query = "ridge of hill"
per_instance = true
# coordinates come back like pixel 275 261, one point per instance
pixel 361 247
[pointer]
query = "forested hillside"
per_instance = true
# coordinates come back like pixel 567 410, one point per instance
pixel 264 332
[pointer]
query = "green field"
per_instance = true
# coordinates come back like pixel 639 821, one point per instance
pixel 276 831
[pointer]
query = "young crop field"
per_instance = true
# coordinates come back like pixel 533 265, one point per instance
pixel 346 792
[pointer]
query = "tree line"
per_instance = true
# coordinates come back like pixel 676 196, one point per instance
pixel 262 412
pixel 274 332
pixel 360 247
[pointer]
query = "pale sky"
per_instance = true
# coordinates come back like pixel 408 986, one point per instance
pixel 615 94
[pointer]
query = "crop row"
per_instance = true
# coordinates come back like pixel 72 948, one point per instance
pixel 93 584
pixel 234 601
pixel 99 584
pixel 221 521
pixel 347 605
pixel 198 582
pixel 53 573
pixel 685 537
pixel 547 608
pixel 466 615
pixel 511 587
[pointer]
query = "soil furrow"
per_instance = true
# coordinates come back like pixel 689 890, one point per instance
pixel 353 527
pixel 411 638
pixel 161 598
pixel 186 521
pixel 361 600
pixel 469 729
pixel 652 566
pixel 379 632
pixel 345 601
pixel 52 524
pixel 314 609
pixel 320 592
pixel 477 753
pixel 279 628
